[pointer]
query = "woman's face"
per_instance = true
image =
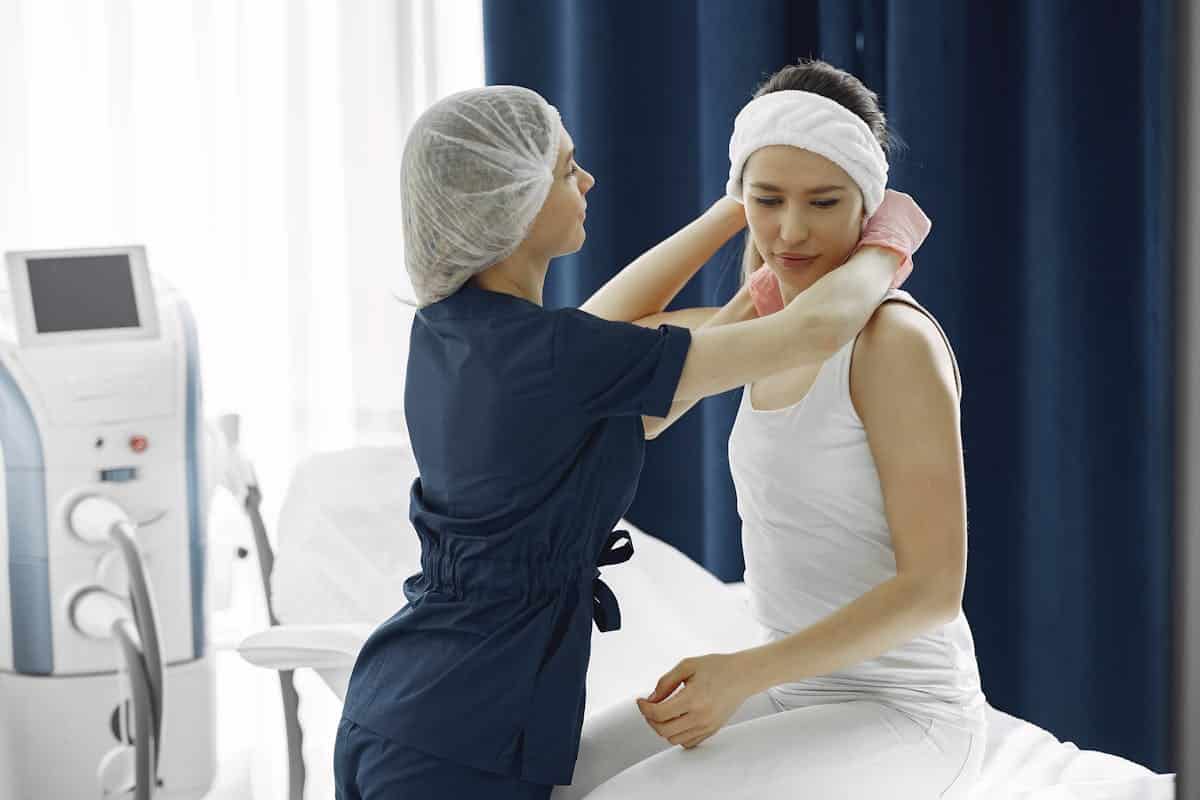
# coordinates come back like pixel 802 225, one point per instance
pixel 805 214
pixel 558 228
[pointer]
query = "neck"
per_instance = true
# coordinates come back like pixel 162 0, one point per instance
pixel 519 275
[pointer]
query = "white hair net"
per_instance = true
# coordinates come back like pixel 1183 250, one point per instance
pixel 476 170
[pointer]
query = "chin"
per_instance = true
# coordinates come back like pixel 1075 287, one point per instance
pixel 579 240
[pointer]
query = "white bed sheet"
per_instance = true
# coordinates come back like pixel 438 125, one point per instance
pixel 345 546
pixel 672 608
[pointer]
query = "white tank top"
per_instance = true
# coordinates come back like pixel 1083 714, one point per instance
pixel 816 538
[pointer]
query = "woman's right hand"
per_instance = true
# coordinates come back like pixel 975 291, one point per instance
pixel 898 225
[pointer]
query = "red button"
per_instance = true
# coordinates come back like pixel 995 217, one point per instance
pixel 138 444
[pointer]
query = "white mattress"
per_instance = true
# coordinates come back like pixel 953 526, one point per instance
pixel 345 546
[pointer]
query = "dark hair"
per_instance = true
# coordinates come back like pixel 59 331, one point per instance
pixel 821 77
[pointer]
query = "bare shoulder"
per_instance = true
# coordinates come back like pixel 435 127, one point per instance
pixel 897 330
pixel 900 349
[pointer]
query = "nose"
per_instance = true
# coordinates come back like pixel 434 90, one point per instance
pixel 587 181
pixel 793 228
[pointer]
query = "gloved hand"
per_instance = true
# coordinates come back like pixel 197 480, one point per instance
pixel 898 225
pixel 765 292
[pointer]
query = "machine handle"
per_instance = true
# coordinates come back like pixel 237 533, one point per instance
pixel 93 517
pixel 94 611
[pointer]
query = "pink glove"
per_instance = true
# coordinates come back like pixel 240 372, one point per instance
pixel 765 292
pixel 898 225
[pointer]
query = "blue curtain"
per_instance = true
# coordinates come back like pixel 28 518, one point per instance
pixel 1039 140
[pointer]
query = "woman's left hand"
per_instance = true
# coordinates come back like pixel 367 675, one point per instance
pixel 713 688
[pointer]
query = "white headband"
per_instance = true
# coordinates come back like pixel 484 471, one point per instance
pixel 811 122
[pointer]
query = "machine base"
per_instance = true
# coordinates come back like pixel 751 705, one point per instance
pixel 55 732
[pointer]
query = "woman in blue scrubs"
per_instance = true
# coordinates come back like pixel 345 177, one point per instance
pixel 529 427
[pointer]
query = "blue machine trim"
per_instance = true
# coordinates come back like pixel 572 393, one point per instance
pixel 28 538
pixel 197 538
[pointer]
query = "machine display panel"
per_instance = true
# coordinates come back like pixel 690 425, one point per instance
pixel 82 293
pixel 71 297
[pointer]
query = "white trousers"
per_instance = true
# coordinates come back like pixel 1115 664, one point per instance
pixel 858 749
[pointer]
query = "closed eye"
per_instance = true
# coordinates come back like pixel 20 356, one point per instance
pixel 830 203
pixel 767 201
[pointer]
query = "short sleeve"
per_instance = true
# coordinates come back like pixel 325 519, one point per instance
pixel 614 369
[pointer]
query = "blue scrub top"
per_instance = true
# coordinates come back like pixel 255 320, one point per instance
pixel 526 427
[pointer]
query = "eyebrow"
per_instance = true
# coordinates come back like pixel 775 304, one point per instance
pixel 770 187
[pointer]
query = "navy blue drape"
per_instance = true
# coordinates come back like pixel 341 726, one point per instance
pixel 1039 140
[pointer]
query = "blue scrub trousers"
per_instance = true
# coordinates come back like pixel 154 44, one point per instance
pixel 369 767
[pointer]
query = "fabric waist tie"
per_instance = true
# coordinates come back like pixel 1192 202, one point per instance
pixel 617 550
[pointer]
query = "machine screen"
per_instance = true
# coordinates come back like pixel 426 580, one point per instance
pixel 82 293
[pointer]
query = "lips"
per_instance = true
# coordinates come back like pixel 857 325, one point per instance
pixel 794 259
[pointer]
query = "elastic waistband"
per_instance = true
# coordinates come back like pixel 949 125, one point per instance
pixel 467 576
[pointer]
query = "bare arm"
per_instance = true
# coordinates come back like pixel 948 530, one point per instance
pixel 690 318
pixel 652 280
pixel 739 309
pixel 810 329
pixel 904 388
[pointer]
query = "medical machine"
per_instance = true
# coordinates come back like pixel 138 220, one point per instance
pixel 106 684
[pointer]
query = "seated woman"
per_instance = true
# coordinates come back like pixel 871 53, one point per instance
pixel 849 478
